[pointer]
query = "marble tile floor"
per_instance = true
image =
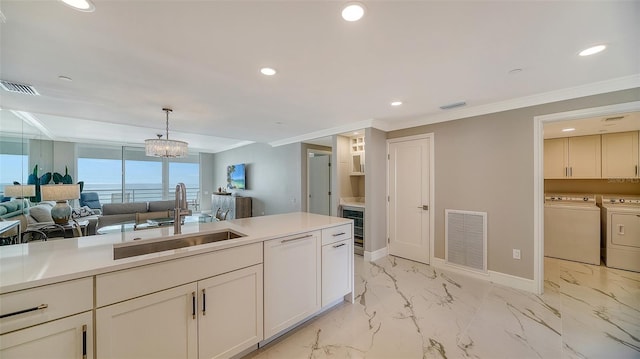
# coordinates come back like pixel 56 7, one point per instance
pixel 405 309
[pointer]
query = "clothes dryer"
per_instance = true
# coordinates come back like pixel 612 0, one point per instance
pixel 621 231
pixel 572 227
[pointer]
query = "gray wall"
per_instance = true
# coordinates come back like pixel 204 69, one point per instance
pixel 273 176
pixel 375 215
pixel 485 163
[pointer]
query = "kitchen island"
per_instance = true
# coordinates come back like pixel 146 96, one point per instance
pixel 216 299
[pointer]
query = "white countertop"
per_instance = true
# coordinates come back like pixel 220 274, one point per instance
pixel 34 264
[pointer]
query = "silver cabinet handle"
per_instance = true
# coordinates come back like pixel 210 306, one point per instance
pixel 339 234
pixel 570 171
pixel 40 307
pixel 339 245
pixel 636 170
pixel 295 239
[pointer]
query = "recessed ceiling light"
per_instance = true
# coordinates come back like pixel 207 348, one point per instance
pixel 592 50
pixel 65 78
pixel 568 129
pixel 353 11
pixel 396 103
pixel 356 133
pixel 268 71
pixel 81 5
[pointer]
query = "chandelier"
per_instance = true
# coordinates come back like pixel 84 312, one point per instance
pixel 159 147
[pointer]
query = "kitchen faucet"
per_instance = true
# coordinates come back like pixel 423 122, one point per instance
pixel 181 208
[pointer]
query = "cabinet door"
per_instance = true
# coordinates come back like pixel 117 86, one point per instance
pixel 336 270
pixel 291 281
pixel 620 155
pixel 230 313
pixel 585 157
pixel 66 338
pixel 159 325
pixel 556 158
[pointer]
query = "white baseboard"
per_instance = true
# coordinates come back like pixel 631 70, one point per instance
pixel 375 255
pixel 508 280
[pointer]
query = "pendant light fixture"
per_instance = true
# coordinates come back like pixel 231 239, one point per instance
pixel 165 147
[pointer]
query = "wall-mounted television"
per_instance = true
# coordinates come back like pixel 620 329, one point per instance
pixel 236 178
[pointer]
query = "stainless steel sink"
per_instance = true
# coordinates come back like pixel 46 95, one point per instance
pixel 132 250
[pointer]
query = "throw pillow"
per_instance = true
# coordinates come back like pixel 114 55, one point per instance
pixel 41 213
pixel 83 211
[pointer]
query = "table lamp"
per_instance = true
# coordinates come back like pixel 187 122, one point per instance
pixel 60 193
pixel 20 190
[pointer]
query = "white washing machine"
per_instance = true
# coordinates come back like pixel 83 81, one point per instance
pixel 621 231
pixel 572 227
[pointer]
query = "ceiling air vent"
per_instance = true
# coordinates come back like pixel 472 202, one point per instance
pixel 18 88
pixel 453 105
pixel 611 119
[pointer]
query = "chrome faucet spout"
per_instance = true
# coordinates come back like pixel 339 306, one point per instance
pixel 181 208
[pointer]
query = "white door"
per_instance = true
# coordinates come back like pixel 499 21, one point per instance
pixel 409 199
pixel 319 177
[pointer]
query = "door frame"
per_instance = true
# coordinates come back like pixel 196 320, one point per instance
pixel 538 174
pixel 330 154
pixel 431 137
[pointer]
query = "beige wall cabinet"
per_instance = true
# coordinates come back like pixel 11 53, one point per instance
pixel 573 157
pixel 239 207
pixel 620 155
pixel 291 281
pixel 357 156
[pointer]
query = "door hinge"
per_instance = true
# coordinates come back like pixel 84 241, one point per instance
pixel 388 198
pixel 388 156
pixel 388 240
pixel 329 193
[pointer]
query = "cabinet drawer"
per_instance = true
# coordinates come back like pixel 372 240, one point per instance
pixel 336 234
pixel 61 300
pixel 130 283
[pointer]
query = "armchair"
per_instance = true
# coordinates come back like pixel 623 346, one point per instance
pixel 91 200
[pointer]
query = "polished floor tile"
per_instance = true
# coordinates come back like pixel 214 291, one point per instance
pixel 405 309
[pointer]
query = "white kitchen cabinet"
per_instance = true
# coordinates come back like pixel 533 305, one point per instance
pixel 230 313
pixel 291 281
pixel 573 157
pixel 216 317
pixel 159 325
pixel 336 268
pixel 203 306
pixel 66 338
pixel 357 156
pixel 621 155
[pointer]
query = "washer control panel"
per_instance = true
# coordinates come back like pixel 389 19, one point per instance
pixel 582 198
pixel 620 200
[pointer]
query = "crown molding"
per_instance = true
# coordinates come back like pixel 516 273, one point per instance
pixel 596 88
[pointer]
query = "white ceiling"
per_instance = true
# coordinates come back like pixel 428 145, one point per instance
pixel 594 125
pixel 128 59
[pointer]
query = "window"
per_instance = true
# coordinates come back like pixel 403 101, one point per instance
pixel 14 162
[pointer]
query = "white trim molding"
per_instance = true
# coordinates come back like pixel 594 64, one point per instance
pixel 375 255
pixel 508 280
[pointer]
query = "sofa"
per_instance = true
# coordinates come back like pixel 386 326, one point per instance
pixel 133 212
pixel 12 208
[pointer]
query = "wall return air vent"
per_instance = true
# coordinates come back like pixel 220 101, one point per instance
pixel 466 239
pixel 18 88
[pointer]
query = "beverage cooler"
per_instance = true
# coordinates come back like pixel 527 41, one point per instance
pixel 357 214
